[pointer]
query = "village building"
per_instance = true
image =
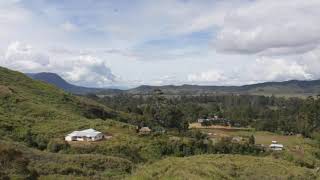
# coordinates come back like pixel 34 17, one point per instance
pixel 85 135
pixel 145 130
pixel 275 146
pixel 201 120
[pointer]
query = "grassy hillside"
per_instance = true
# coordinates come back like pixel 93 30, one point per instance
pixel 43 109
pixel 21 162
pixel 222 167
pixel 35 117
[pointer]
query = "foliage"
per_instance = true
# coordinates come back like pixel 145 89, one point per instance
pixel 283 115
pixel 56 145
pixel 14 164
pixel 222 167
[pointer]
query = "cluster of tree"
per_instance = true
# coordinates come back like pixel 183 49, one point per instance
pixel 199 143
pixel 276 114
pixel 155 111
pixel 222 122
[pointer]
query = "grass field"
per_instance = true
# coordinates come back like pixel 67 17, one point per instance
pixel 301 151
pixel 222 167
pixel 261 137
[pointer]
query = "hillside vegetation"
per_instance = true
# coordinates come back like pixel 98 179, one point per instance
pixel 29 106
pixel 35 117
pixel 222 167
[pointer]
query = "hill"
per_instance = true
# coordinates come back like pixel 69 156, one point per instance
pixel 293 87
pixel 222 167
pixel 56 80
pixel 285 88
pixel 59 82
pixel 34 118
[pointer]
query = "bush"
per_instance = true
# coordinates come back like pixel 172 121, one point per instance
pixel 56 145
pixel 13 163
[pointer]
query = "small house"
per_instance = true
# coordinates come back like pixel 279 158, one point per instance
pixel 275 146
pixel 145 130
pixel 200 120
pixel 85 135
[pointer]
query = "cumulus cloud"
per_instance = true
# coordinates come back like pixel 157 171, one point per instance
pixel 90 71
pixel 85 70
pixel 263 69
pixel 23 57
pixel 271 27
pixel 270 69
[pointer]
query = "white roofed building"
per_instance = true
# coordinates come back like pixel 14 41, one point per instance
pixel 275 146
pixel 85 135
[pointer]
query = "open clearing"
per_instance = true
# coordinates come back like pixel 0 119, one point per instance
pixel 261 137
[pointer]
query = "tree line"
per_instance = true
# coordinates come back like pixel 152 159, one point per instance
pixel 275 114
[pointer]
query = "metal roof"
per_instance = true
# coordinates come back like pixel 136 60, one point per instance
pixel 86 133
pixel 276 146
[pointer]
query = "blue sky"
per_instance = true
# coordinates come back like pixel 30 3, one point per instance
pixel 130 43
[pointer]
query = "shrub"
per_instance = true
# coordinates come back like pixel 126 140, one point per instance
pixel 56 145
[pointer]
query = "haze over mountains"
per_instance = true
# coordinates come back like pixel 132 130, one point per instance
pixel 292 87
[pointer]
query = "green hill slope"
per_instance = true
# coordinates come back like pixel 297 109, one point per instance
pixel 26 104
pixel 222 167
pixel 35 117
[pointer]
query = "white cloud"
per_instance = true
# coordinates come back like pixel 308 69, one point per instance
pixel 271 26
pixel 85 70
pixel 212 76
pixel 90 71
pixel 270 69
pixel 23 57
pixel 263 69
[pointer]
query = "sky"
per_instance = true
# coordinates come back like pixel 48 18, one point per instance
pixel 102 43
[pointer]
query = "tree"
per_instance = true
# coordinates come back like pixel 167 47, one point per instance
pixel 252 140
pixel 184 125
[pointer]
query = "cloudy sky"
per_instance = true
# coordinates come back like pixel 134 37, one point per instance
pixel 134 42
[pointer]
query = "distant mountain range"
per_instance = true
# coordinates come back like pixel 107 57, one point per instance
pixel 292 87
